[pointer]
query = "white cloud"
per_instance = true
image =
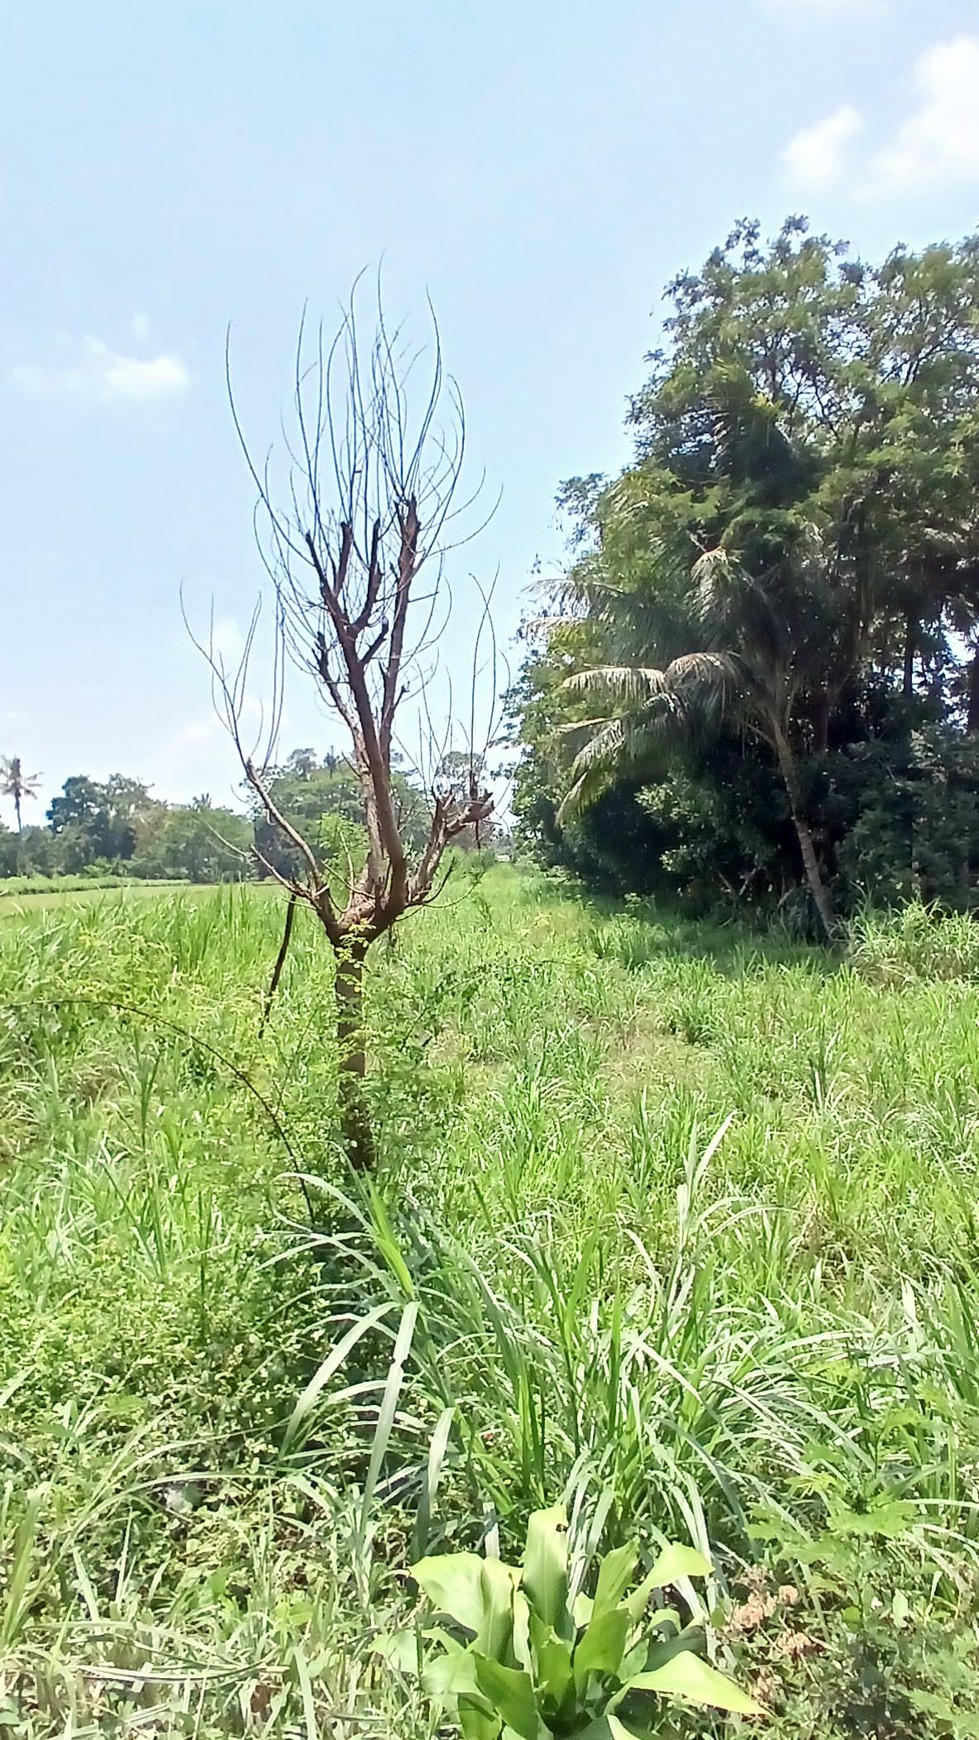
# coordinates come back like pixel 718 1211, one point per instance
pixel 938 145
pixel 141 326
pixel 816 159
pixel 97 372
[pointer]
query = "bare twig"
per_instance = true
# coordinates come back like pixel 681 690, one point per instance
pixel 344 553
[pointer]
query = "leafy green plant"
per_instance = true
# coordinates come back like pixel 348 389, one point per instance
pixel 542 1658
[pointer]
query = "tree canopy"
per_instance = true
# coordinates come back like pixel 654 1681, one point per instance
pixel 780 595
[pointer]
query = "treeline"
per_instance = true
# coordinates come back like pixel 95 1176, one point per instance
pixel 758 680
pixel 117 827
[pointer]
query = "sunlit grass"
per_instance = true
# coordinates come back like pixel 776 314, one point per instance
pixel 668 1220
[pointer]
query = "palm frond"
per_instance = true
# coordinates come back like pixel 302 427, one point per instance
pixel 719 580
pixel 626 684
pixel 574 727
pixel 708 668
pixel 625 745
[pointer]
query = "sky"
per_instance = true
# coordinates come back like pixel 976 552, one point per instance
pixel 540 170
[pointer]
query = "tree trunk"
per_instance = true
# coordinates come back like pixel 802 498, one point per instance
pixel 20 825
pixel 910 645
pixel 810 862
pixel 355 1121
pixel 972 715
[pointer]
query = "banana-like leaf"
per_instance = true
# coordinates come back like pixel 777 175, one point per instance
pixel 688 1677
pixel 688 1637
pixel 399 1649
pixel 545 1568
pixel 614 1573
pixel 495 1635
pixel 511 1692
pixel 609 1727
pixel 521 1644
pixel 451 1675
pixel 601 1649
pixel 673 1565
pixel 477 1721
pixel 453 1584
pixel 554 1673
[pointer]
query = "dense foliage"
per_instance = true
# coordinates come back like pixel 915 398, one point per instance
pixel 763 662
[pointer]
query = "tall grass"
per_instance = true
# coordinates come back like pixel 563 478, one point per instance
pixel 674 1223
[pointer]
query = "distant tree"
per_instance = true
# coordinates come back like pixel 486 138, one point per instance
pixel 304 762
pixel 77 803
pixel 367 508
pixel 10 852
pixel 196 843
pixel 18 785
pixel 98 822
pixel 315 795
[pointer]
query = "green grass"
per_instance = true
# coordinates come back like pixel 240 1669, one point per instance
pixel 25 894
pixel 14 886
pixel 675 1224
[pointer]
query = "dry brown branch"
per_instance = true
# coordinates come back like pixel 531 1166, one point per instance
pixel 371 489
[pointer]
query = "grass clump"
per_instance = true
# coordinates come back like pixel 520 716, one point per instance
pixel 916 942
pixel 671 1224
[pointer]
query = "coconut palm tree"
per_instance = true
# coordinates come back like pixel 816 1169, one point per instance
pixel 16 784
pixel 767 646
pixel 763 623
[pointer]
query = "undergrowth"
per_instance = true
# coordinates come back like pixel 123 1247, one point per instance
pixel 672 1224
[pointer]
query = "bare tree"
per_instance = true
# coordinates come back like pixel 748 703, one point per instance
pixel 369 503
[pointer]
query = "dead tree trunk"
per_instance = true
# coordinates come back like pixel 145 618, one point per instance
pixel 280 961
pixel 355 1118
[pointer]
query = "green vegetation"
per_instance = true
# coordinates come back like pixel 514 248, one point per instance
pixel 672 1224
pixel 631 1226
pixel 100 834
pixel 542 1657
pixel 762 667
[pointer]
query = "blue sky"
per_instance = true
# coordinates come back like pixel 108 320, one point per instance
pixel 540 169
